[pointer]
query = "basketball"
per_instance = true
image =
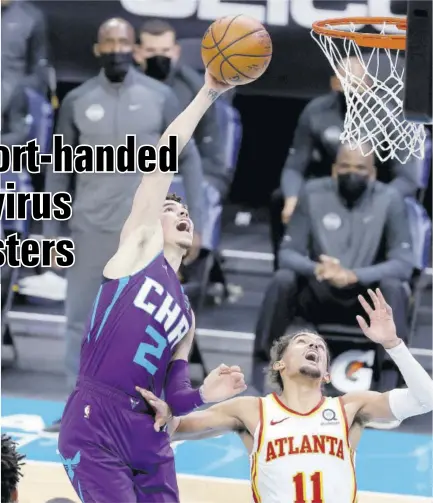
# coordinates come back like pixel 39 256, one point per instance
pixel 236 50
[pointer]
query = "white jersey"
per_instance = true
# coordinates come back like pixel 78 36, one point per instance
pixel 302 458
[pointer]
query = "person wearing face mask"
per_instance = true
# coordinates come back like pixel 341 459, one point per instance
pixel 102 111
pixel 158 55
pixel 348 232
pixel 314 146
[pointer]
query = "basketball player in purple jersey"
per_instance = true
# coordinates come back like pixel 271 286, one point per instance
pixel 140 333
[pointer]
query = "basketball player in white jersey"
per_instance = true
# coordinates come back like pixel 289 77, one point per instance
pixel 301 444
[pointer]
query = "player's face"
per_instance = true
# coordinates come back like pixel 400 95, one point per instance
pixel 177 227
pixel 306 355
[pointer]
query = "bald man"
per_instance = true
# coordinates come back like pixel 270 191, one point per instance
pixel 102 111
pixel 313 150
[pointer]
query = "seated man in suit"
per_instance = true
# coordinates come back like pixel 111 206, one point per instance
pixel 348 233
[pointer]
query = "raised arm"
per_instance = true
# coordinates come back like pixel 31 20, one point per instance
pixel 398 404
pixel 143 220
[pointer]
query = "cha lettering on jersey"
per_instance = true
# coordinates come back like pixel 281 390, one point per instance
pixel 168 312
pixel 308 444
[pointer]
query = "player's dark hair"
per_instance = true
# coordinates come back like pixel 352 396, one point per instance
pixel 11 468
pixel 157 27
pixel 277 351
pixel 174 197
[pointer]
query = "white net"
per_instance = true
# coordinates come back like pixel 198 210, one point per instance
pixel 373 80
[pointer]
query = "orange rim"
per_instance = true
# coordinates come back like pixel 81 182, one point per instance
pixel 380 41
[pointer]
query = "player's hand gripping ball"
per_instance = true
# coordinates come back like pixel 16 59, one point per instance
pixel 236 50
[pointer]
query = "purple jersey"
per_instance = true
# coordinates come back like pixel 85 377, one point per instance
pixel 134 328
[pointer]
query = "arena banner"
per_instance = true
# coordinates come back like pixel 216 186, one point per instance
pixel 298 67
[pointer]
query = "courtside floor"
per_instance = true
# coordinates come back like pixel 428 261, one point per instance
pixel 392 467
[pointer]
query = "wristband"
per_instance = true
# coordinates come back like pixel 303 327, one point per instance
pixel 179 394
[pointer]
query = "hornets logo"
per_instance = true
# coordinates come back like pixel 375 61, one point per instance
pixel 70 464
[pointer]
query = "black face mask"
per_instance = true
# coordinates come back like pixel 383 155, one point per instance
pixel 116 65
pixel 351 186
pixel 158 67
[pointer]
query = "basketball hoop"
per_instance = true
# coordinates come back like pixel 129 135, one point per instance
pixel 370 70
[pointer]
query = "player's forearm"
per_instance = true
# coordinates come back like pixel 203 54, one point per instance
pixel 180 396
pixel 152 191
pixel 418 398
pixel 197 426
pixel 185 123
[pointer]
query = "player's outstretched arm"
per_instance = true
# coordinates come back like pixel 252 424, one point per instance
pixel 151 193
pixel 398 404
pixel 223 417
pixel 220 418
pixel 221 384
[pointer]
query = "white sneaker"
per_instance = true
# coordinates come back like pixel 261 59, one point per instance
pixel 49 286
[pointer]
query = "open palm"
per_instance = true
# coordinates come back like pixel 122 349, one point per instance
pixel 222 383
pixel 381 328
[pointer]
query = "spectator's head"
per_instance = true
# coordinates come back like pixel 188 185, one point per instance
pixel 11 470
pixel 157 49
pixel 359 78
pixel 116 39
pixel 353 172
pixel 301 355
pixel 177 227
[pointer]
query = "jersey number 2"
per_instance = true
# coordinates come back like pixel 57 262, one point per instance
pixel 148 349
pixel 300 486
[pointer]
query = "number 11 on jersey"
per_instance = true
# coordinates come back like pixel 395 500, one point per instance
pixel 301 484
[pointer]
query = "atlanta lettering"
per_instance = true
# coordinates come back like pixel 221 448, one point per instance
pixel 308 444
